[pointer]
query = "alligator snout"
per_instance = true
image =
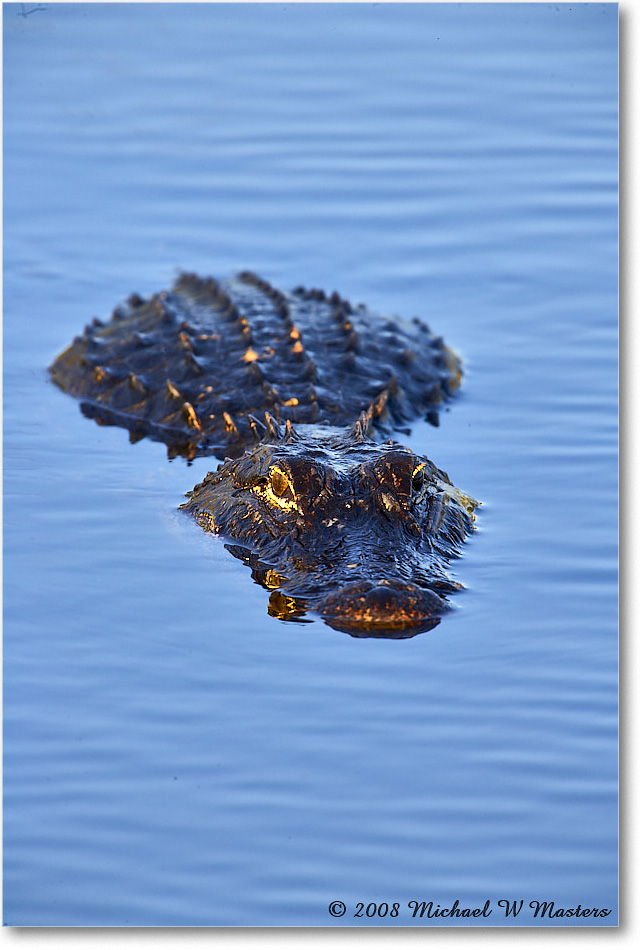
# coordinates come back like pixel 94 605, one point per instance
pixel 382 607
pixel 357 532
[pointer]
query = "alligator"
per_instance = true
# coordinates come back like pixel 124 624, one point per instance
pixel 295 394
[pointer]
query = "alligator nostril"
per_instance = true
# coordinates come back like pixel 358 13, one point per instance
pixel 387 604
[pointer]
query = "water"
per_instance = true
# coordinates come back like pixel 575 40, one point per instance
pixel 174 756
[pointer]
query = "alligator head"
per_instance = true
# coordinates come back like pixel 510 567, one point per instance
pixel 357 531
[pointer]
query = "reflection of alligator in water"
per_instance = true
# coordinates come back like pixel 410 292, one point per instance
pixel 330 520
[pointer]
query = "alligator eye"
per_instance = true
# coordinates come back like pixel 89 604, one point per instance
pixel 279 482
pixel 418 479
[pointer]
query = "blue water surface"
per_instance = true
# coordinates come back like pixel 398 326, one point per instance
pixel 173 755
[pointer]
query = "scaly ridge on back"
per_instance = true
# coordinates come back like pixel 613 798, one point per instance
pixel 192 366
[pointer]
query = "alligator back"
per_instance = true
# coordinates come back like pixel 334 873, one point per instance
pixel 199 366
